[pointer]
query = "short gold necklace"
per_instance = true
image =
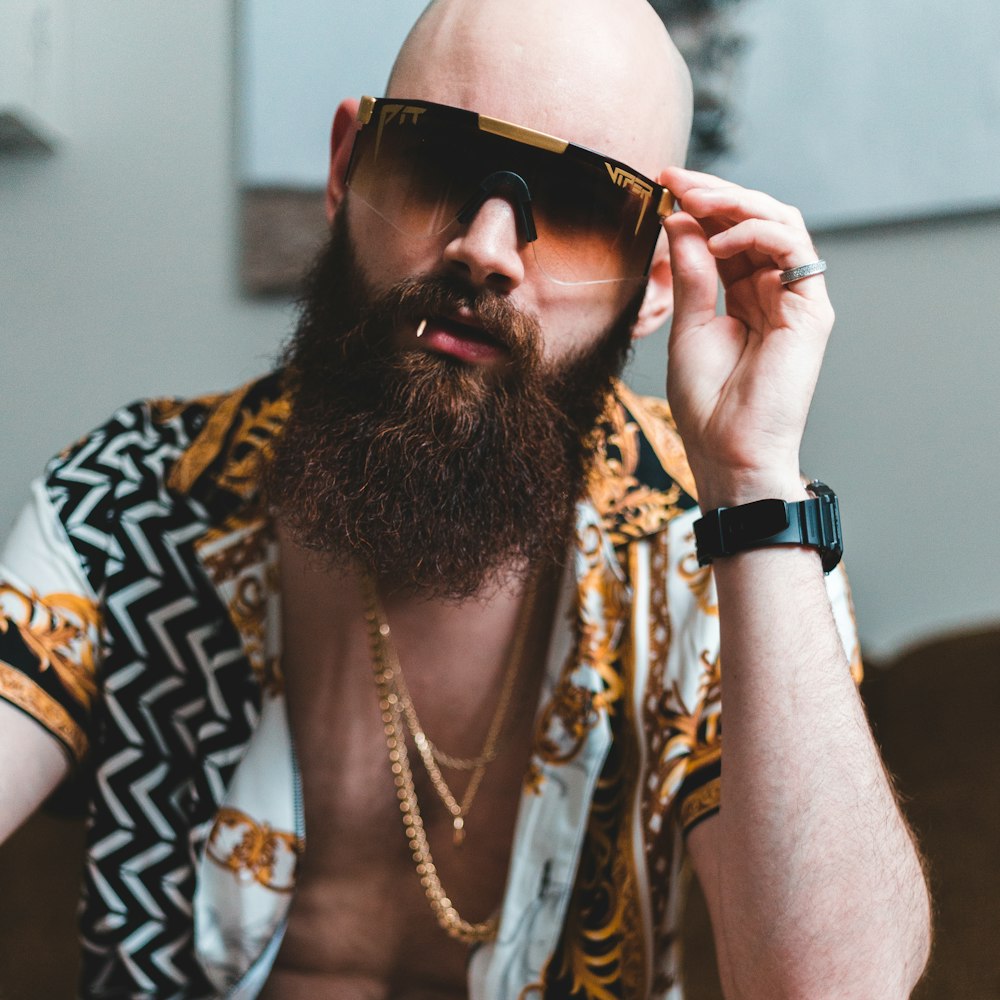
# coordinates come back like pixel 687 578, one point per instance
pixel 458 810
pixel 429 753
pixel 389 682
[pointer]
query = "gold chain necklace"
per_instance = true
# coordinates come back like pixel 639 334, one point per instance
pixel 429 754
pixel 385 667
pixel 458 810
pixel 428 748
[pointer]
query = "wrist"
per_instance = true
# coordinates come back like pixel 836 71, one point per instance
pixel 813 522
pixel 730 489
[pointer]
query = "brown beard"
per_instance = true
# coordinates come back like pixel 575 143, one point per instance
pixel 439 476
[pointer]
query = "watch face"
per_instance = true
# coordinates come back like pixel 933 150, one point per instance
pixel 758 520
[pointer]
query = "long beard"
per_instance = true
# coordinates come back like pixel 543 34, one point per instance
pixel 440 477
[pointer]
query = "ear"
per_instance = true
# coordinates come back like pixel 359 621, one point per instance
pixel 341 143
pixel 659 301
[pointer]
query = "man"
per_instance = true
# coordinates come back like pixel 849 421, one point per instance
pixel 327 605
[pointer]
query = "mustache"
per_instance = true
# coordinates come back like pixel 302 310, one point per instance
pixel 449 297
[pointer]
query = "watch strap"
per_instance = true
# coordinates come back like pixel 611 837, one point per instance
pixel 814 523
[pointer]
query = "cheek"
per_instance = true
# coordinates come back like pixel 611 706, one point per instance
pixel 575 318
pixel 385 255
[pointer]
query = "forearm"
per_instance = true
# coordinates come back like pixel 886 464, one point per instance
pixel 812 878
pixel 820 890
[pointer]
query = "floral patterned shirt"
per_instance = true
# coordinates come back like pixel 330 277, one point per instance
pixel 139 605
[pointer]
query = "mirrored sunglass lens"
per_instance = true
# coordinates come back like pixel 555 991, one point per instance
pixel 416 178
pixel 589 228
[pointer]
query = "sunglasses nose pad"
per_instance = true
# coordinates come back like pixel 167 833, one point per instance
pixel 510 186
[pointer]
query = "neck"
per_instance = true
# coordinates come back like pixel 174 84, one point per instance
pixel 468 639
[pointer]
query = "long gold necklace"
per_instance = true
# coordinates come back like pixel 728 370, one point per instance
pixel 389 682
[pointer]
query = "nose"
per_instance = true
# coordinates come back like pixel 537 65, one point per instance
pixel 488 250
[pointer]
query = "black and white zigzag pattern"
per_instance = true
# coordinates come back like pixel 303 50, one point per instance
pixel 177 705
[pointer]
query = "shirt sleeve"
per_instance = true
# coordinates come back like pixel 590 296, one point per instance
pixel 49 626
pixel 697 671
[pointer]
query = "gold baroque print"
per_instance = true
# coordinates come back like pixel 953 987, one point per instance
pixel 576 710
pixel 238 432
pixel 628 508
pixel 657 832
pixel 590 543
pixel 166 409
pixel 700 801
pixel 589 960
pixel 247 551
pixel 207 446
pixel 604 600
pixel 241 565
pixel 710 694
pixel 573 709
pixel 632 927
pixel 596 955
pixel 660 633
pixel 600 634
pixel 29 697
pixel 699 581
pixel 533 776
pixel 58 630
pixel 658 425
pixel 602 647
pixel 254 851
pixel 248 611
pixel 692 731
pixel 601 607
pixel 255 432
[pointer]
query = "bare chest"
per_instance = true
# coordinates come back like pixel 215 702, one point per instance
pixel 360 924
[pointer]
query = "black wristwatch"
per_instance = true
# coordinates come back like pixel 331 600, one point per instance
pixel 814 522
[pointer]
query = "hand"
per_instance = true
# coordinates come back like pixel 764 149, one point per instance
pixel 740 384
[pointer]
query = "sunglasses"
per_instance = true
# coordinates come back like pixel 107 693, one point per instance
pixel 425 167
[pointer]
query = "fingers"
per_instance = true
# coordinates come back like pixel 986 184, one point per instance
pixel 703 195
pixel 786 245
pixel 680 179
pixel 740 223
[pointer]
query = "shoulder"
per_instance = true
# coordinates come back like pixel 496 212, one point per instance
pixel 168 443
pixel 640 480
pixel 181 464
pixel 656 425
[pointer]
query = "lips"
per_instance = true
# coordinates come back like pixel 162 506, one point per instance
pixel 458 339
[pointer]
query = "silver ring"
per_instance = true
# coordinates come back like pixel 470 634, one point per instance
pixel 802 271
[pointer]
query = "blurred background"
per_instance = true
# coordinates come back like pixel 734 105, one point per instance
pixel 122 275
pixel 148 227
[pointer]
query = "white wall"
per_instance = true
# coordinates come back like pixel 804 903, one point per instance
pixel 906 422
pixel 118 254
pixel 118 280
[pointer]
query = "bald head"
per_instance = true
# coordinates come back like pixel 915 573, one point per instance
pixel 601 73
